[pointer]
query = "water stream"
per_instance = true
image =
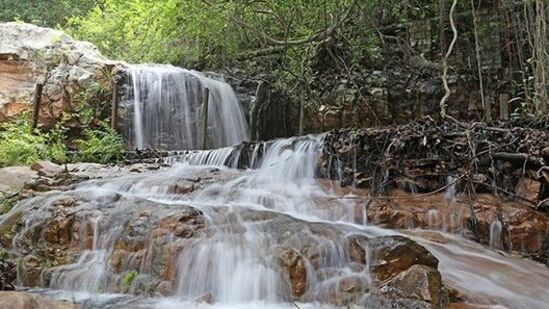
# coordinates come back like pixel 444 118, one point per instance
pixel 252 218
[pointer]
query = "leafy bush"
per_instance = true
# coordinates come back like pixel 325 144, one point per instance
pixel 20 144
pixel 101 145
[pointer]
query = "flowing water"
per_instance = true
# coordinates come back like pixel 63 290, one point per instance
pixel 165 104
pixel 495 234
pixel 252 217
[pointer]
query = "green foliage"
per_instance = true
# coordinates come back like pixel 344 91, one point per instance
pixel 209 33
pixel 102 145
pixel 49 13
pixel 128 279
pixel 95 101
pixel 136 30
pixel 6 203
pixel 20 144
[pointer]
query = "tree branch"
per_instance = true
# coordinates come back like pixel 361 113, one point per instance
pixel 321 35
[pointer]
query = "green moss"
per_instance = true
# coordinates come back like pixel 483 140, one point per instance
pixel 6 205
pixel 128 279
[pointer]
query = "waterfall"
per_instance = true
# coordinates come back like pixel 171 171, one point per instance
pixel 166 102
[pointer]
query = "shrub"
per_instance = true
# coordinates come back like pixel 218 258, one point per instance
pixel 20 144
pixel 101 145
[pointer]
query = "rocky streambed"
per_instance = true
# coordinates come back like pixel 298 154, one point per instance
pixel 158 235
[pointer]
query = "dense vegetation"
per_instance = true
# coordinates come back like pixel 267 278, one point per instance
pixel 307 45
pixel 312 51
pixel 20 144
pixel 287 37
pixel 48 13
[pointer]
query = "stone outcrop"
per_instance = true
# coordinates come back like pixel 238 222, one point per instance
pixel 71 71
pixel 447 176
pixel 417 282
pixel 15 177
pixel 521 228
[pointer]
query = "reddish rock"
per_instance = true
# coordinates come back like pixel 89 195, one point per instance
pixel 391 255
pixel 417 282
pixel 46 168
pixel 29 271
pixel 295 272
pixel 67 68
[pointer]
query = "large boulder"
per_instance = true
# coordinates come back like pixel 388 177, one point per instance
pixel 15 177
pixel 70 71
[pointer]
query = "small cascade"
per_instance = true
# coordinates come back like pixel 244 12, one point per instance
pixel 450 194
pixel 495 234
pixel 291 159
pixel 432 217
pixel 165 103
pixel 227 156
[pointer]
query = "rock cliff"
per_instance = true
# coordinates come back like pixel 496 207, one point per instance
pixel 71 71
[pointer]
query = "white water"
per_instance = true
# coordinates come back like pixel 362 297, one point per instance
pixel 246 218
pixel 167 109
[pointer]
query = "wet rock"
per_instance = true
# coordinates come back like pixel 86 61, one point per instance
pixel 19 300
pixel 206 298
pixel 29 271
pixel 66 201
pixel 117 259
pixel 9 227
pixel 183 188
pixel 343 291
pixel 15 177
pixel 137 168
pixel 144 285
pixel 393 218
pixel 379 301
pixel 46 168
pixel 59 230
pixel 152 239
pixel 39 185
pixel 357 248
pixel 391 255
pixel 164 288
pixel 295 272
pixel 418 282
pixel 8 273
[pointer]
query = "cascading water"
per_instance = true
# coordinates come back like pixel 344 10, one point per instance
pixel 495 234
pixel 216 234
pixel 166 103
